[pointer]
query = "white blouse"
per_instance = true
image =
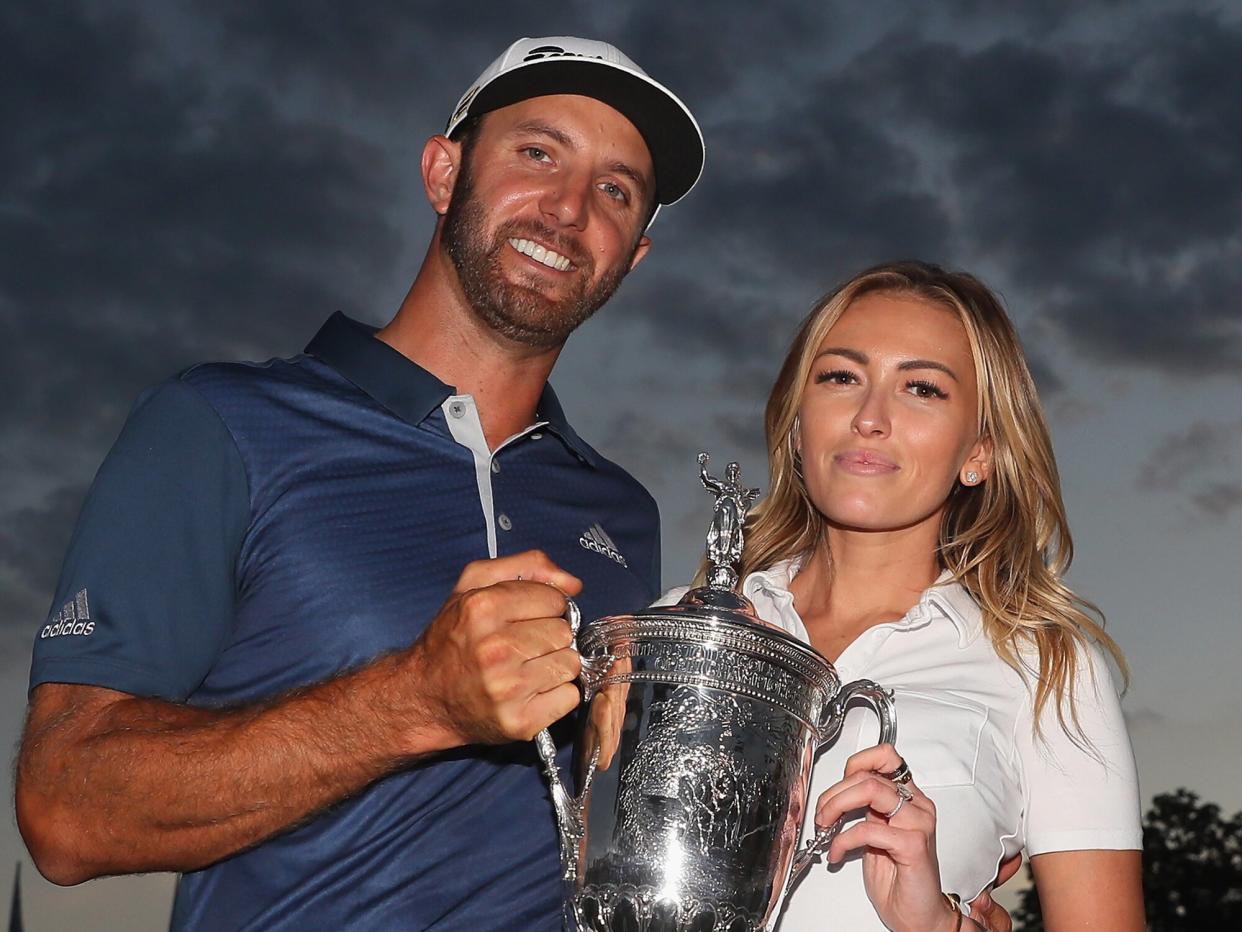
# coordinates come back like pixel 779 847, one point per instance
pixel 964 725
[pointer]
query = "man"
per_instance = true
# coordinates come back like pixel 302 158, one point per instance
pixel 266 666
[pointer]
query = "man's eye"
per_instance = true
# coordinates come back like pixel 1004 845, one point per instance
pixel 536 154
pixel 615 191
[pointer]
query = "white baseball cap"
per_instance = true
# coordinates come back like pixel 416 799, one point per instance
pixel 567 65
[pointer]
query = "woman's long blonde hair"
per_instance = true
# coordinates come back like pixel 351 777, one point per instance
pixel 1007 540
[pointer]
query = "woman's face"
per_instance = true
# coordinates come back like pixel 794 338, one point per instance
pixel 888 420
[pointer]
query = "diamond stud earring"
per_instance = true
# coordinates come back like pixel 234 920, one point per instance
pixel 972 477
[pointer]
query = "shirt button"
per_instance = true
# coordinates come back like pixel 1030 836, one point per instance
pixel 504 522
pixel 457 408
pixel 536 436
pixel 495 465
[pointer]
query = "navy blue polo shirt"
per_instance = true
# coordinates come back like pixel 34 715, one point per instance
pixel 262 527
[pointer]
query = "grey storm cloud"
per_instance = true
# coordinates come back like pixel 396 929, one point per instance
pixel 150 220
pixel 144 208
pixel 1105 179
pixel 1100 181
pixel 387 57
pixel 31 541
pixel 1186 455
pixel 1218 500
pixel 1198 462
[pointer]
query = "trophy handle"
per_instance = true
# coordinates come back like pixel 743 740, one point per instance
pixel 830 722
pixel 833 716
pixel 569 810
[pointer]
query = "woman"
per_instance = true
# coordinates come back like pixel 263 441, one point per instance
pixel 914 534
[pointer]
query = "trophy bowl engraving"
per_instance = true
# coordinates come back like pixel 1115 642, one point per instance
pixel 698 746
pixel 694 757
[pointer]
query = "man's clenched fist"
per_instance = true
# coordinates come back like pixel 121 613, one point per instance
pixel 496 664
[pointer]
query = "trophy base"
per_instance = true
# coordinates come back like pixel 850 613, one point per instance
pixel 630 908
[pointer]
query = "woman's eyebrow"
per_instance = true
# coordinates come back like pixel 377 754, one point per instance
pixel 861 358
pixel 927 364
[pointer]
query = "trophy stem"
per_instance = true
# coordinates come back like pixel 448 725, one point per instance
pixel 569 820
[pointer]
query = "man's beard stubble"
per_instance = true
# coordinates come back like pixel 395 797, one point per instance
pixel 519 312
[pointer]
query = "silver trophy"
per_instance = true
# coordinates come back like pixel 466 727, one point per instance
pixel 694 759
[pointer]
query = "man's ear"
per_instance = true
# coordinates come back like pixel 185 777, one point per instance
pixel 440 166
pixel 644 244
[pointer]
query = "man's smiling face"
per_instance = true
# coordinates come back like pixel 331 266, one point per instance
pixel 547 215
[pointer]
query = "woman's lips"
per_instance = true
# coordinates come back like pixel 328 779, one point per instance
pixel 865 463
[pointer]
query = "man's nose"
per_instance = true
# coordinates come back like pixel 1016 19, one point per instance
pixel 567 201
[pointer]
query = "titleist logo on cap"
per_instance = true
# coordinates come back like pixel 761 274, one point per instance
pixel 553 51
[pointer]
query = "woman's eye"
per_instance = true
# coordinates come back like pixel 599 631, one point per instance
pixel 835 376
pixel 924 389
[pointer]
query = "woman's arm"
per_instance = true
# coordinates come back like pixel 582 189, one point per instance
pixel 1100 891
pixel 1083 820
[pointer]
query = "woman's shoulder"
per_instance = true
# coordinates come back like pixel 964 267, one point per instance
pixel 670 597
pixel 1092 662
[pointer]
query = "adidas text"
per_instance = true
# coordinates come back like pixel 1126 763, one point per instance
pixel 73 618
pixel 597 539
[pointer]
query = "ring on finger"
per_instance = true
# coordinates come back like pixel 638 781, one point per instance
pixel 904 795
pixel 902 774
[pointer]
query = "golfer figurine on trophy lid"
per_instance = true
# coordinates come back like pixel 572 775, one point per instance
pixel 695 754
pixel 725 536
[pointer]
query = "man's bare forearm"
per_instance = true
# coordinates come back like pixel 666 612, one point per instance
pixel 109 783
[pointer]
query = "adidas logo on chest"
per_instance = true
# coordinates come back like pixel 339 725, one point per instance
pixel 596 538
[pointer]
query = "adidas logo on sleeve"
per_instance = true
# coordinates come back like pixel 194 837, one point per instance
pixel 73 618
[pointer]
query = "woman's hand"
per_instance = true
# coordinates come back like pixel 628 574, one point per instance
pixel 985 911
pixel 900 870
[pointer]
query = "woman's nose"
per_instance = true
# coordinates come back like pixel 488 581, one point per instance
pixel 871 419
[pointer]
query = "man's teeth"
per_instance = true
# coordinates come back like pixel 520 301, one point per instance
pixel 540 254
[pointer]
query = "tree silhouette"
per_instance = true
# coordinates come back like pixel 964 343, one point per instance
pixel 1192 869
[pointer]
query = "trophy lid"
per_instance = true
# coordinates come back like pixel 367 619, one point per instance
pixel 714 614
pixel 720 597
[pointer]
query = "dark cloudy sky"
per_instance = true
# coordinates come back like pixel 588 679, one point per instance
pixel 188 181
